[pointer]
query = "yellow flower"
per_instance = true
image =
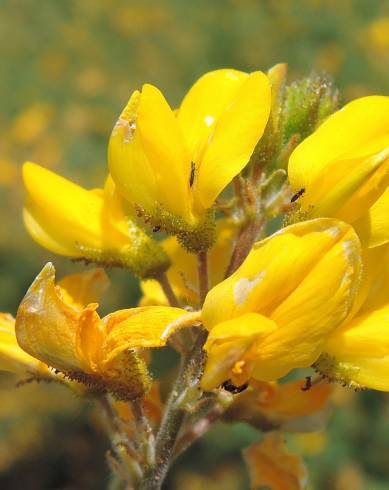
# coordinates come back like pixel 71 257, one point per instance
pixel 343 168
pixel 357 353
pixel 100 352
pixel 12 358
pixel 172 165
pixel 271 465
pixel 90 224
pixel 183 274
pixel 276 311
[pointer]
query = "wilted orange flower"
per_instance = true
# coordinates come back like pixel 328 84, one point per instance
pixel 271 465
pixel 60 330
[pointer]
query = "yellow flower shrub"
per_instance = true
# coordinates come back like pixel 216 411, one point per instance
pixel 266 273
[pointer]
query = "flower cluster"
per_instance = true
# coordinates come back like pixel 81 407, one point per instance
pixel 277 211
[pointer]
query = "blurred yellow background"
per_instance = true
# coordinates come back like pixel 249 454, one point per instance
pixel 67 69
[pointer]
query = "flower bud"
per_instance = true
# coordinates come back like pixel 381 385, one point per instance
pixel 308 102
pixel 342 169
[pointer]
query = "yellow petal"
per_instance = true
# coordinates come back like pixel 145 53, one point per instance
pixel 231 344
pixel 128 330
pixel 46 327
pixel 271 465
pixel 86 287
pixel 374 289
pixel 347 188
pixel 373 228
pixel 371 189
pixel 232 142
pixel 90 338
pixel 61 215
pixel 125 374
pixel 117 212
pixel 12 356
pixel 127 158
pixel 36 224
pixel 142 327
pixel 359 351
pixel 204 103
pixel 353 132
pixel 148 159
pixel 165 147
pixel 93 219
pixel 274 269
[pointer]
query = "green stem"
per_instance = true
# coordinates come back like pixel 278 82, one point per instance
pixel 128 467
pixel 183 392
pixel 146 438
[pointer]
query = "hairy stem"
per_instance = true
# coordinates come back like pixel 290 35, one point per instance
pixel 183 392
pixel 128 467
pixel 250 230
pixel 203 275
pixel 146 438
pixel 168 290
pixel 197 430
pixel 242 248
pixel 238 190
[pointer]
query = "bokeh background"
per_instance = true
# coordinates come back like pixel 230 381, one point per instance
pixel 67 69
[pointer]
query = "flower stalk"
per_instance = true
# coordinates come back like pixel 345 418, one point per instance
pixel 168 290
pixel 185 390
pixel 203 275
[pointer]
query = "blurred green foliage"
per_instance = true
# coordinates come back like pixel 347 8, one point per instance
pixel 68 67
